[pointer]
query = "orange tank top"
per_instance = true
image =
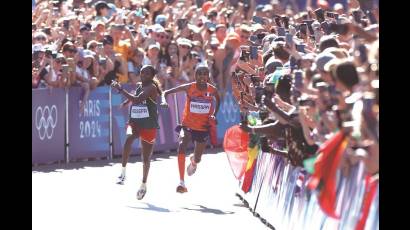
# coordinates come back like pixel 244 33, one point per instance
pixel 199 106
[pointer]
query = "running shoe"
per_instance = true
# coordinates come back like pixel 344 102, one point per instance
pixel 121 180
pixel 191 167
pixel 141 192
pixel 182 189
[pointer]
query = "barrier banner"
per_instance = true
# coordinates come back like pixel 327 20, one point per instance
pixel 285 202
pixel 228 114
pixel 47 126
pixel 119 121
pixel 89 131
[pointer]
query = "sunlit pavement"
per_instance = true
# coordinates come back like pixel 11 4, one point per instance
pixel 85 196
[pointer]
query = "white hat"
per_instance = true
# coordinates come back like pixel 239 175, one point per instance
pixel 37 48
pixel 88 54
pixel 157 28
pixel 154 45
pixel 184 41
pixel 94 24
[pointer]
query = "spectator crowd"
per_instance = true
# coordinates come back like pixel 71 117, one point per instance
pixel 306 74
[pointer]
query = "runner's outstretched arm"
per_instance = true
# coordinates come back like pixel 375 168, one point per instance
pixel 148 91
pixel 183 87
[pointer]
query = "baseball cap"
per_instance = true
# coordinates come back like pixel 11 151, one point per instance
pixel 196 43
pixel 338 6
pixel 88 54
pixel 245 28
pixel 322 59
pixel 37 48
pixel 157 28
pixel 184 41
pixel 338 52
pixel 60 56
pixel 201 66
pixel 101 5
pixel 94 24
pixel 85 27
pixel 161 19
pixel 329 66
pixel 256 27
pixel 259 7
pixel 267 7
pixel 269 37
pixel 154 45
pixel 220 26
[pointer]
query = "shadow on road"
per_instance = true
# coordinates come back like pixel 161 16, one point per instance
pixel 103 163
pixel 152 207
pixel 204 209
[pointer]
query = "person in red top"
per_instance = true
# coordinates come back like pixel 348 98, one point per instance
pixel 201 105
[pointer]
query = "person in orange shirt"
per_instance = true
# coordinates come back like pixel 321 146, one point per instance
pixel 200 107
pixel 123 46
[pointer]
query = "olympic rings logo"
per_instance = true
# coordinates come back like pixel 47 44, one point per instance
pixel 46 121
pixel 229 108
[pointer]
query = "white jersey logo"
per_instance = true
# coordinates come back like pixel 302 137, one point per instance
pixel 139 111
pixel 200 107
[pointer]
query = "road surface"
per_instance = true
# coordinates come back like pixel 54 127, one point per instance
pixel 85 196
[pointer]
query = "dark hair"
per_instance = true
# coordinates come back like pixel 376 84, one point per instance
pixel 266 56
pixel 154 80
pixel 328 42
pixel 280 52
pixel 90 69
pixel 99 6
pixel 346 74
pixel 108 40
pixel 283 87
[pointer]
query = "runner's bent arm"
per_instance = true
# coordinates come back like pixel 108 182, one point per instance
pixel 148 91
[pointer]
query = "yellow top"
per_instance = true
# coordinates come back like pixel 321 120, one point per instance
pixel 123 48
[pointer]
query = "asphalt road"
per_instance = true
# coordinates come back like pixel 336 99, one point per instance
pixel 85 196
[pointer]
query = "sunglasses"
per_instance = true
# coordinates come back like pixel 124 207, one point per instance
pixel 162 36
pixel 72 50
pixel 60 61
pixel 41 38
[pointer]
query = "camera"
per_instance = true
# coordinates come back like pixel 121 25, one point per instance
pixel 357 16
pixel 245 54
pixel 298 80
pixel 182 23
pixel 285 20
pixel 320 15
pixel 303 28
pixel 253 52
pixel 66 24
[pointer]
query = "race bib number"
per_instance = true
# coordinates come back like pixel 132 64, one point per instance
pixel 139 111
pixel 200 107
